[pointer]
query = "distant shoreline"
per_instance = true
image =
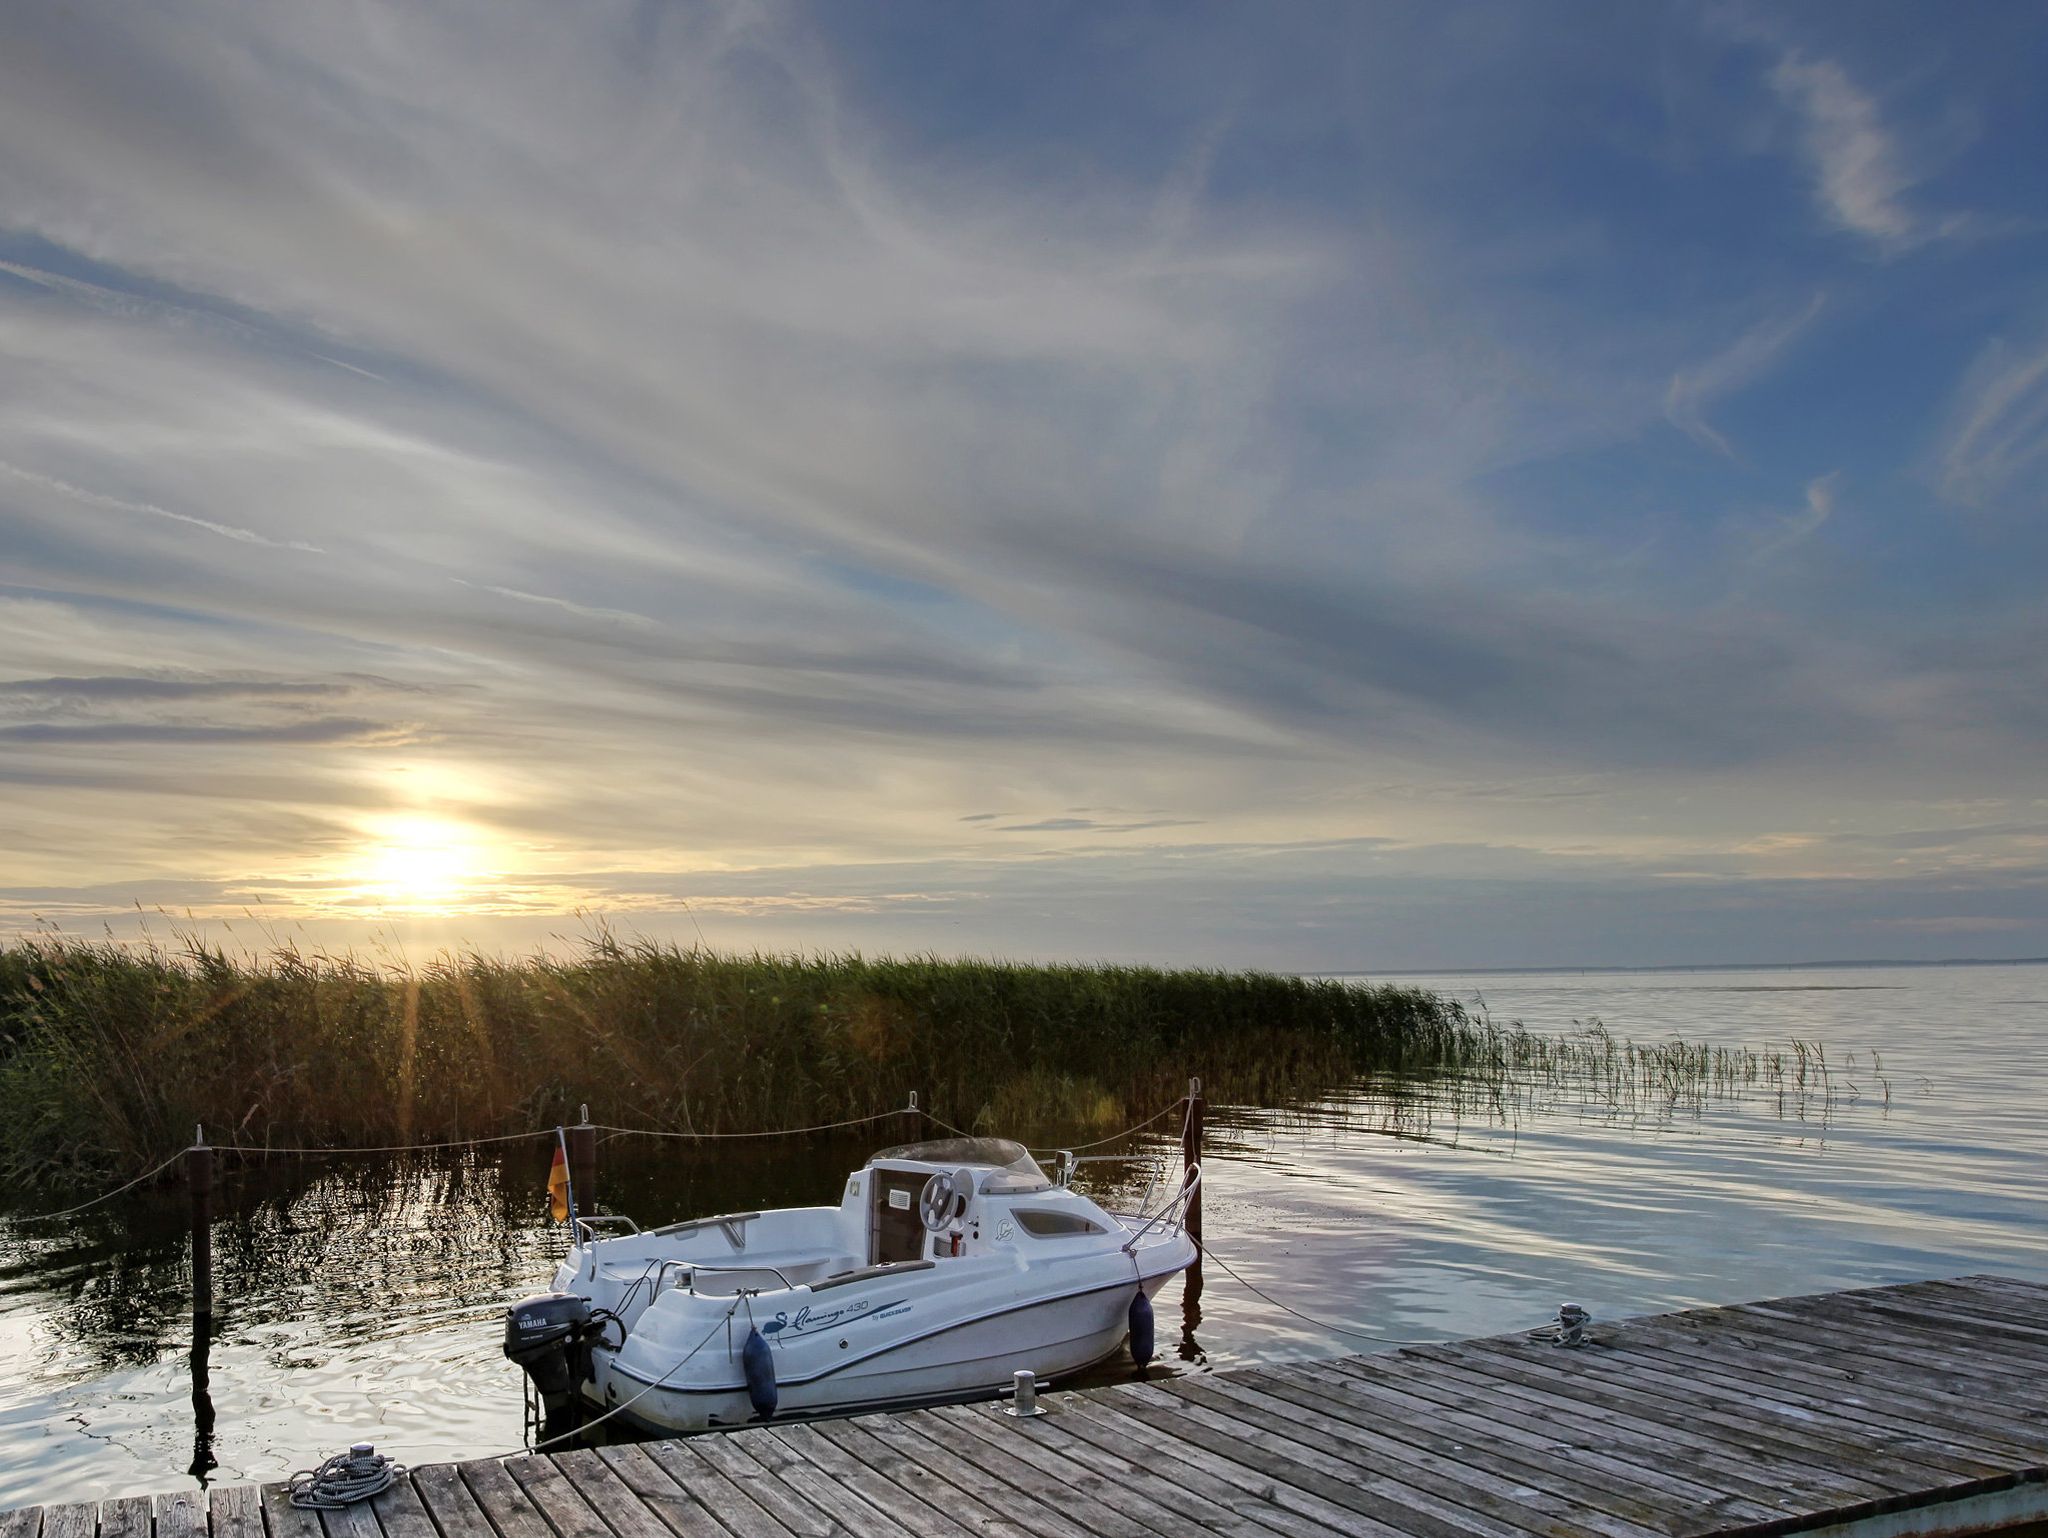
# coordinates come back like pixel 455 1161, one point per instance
pixel 1704 966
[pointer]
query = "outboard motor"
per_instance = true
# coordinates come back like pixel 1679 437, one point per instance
pixel 548 1335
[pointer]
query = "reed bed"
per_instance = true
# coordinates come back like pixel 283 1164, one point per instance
pixel 110 1054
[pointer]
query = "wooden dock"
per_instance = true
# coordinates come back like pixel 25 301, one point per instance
pixel 1896 1410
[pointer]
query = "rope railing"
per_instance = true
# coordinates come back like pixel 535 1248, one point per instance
pixel 611 1130
pixel 104 1196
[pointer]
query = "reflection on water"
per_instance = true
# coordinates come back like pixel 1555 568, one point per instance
pixel 360 1300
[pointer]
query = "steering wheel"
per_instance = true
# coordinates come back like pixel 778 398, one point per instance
pixel 944 1200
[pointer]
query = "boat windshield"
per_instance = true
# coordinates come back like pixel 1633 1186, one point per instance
pixel 1015 1169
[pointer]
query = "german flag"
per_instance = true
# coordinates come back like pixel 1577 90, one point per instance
pixel 558 1185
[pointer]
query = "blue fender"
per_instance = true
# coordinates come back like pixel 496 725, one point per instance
pixel 758 1362
pixel 1141 1328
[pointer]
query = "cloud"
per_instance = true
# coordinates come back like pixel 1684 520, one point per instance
pixel 151 510
pixel 332 729
pixel 129 688
pixel 1859 174
pixel 1998 433
pixel 741 454
pixel 1730 370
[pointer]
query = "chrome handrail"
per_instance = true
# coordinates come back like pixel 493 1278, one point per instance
pixel 1174 1210
pixel 695 1266
pixel 586 1227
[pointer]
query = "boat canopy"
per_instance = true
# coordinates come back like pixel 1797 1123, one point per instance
pixel 1015 1169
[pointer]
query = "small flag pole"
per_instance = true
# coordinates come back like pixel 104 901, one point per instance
pixel 568 1179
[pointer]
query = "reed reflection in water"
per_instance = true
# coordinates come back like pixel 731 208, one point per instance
pixel 361 1298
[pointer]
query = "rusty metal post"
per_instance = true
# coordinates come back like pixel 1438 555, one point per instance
pixel 199 1179
pixel 583 1166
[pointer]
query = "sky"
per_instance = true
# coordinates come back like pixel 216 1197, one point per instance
pixel 1336 487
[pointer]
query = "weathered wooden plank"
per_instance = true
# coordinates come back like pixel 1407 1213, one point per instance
pixel 1028 1452
pixel 281 1519
pixel 910 1512
pixel 998 1501
pixel 1754 1347
pixel 448 1501
pixel 1910 1323
pixel 854 1506
pixel 555 1498
pixel 2013 1286
pixel 1798 1399
pixel 22 1522
pixel 509 1509
pixel 73 1519
pixel 1484 1485
pixel 756 1502
pixel 355 1520
pixel 1380 1468
pixel 1308 1471
pixel 1483 1428
pixel 1846 1322
pixel 1897 1360
pixel 401 1512
pixel 235 1511
pixel 680 1510
pixel 1742 1462
pixel 1961 1318
pixel 1580 1426
pixel 1895 1462
pixel 179 1515
pixel 610 1496
pixel 126 1516
pixel 1088 1413
pixel 1200 1501
pixel 1780 1385
pixel 1973 1305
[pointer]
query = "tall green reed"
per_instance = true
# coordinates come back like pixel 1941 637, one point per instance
pixel 110 1054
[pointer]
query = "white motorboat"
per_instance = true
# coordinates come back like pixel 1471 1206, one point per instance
pixel 946 1268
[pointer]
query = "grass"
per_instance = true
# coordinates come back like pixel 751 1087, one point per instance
pixel 109 1055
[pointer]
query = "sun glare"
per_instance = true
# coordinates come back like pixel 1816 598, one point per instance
pixel 419 865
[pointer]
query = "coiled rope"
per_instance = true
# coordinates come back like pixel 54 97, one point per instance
pixel 344 1479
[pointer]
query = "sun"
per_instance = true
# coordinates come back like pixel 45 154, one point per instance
pixel 419 865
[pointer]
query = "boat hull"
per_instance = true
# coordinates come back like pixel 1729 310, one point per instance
pixel 929 1362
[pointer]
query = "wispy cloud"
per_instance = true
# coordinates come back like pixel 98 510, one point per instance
pixel 151 510
pixel 1735 366
pixel 1999 427
pixel 1859 172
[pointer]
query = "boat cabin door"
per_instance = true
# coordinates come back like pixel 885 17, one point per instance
pixel 895 1231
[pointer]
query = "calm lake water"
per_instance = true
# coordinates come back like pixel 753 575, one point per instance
pixel 364 1302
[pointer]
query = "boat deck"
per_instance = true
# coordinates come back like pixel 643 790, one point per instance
pixel 1892 1410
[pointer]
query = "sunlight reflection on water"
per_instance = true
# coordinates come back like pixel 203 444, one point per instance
pixel 364 1302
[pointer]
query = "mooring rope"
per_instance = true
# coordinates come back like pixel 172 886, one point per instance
pixel 104 1196
pixel 823 1126
pixel 946 1126
pixel 460 1142
pixel 344 1479
pixel 1135 1127
pixel 1209 1254
pixel 625 1404
pixel 305 1151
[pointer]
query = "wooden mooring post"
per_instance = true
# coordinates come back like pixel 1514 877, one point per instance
pixel 1191 1158
pixel 199 1180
